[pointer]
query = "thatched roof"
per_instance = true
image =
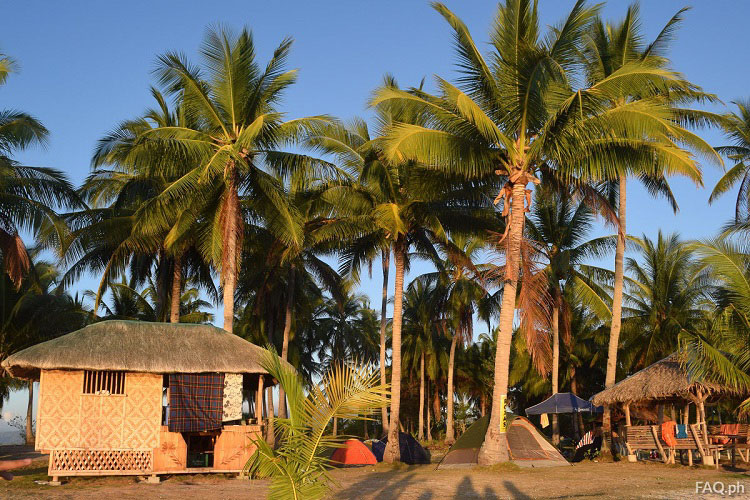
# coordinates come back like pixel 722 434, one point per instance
pixel 138 346
pixel 665 379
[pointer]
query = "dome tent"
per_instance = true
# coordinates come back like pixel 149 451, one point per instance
pixel 354 452
pixel 527 446
pixel 411 451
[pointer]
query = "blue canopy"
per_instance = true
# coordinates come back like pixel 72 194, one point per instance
pixel 563 402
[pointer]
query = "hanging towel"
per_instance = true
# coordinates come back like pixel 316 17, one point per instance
pixel 668 433
pixel 586 440
pixel 730 429
pixel 545 421
pixel 195 401
pixel 232 397
pixel 681 431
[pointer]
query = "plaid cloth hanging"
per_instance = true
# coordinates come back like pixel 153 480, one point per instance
pixel 195 401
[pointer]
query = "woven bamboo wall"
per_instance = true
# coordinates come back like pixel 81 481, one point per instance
pixel 67 418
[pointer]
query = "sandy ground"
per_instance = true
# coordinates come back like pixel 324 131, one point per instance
pixel 585 480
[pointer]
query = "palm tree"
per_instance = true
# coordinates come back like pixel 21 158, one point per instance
pixel 716 349
pixel 610 48
pixel 411 207
pixel 459 281
pixel 111 235
pixel 354 149
pixel 297 466
pixel 666 297
pixel 234 154
pixel 737 127
pixel 557 227
pixel 519 115
pixel 421 301
pixel 28 195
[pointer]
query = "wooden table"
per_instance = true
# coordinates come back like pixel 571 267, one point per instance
pixel 733 439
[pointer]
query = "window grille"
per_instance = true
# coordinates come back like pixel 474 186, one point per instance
pixel 103 382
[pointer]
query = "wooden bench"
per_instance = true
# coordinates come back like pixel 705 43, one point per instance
pixel 648 437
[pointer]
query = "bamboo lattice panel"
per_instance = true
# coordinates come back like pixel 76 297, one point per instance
pixel 69 419
pixel 70 462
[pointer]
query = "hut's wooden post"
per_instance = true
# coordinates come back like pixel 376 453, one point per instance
pixel 259 400
pixel 627 414
pixel 686 414
pixel 631 456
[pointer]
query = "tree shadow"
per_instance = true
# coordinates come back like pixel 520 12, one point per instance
pixel 388 484
pixel 465 489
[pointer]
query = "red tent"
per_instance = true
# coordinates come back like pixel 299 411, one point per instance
pixel 354 452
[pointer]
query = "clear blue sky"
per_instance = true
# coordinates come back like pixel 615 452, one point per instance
pixel 86 65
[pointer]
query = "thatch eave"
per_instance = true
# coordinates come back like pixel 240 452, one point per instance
pixel 137 346
pixel 665 380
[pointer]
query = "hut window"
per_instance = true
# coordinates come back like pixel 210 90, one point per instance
pixel 103 382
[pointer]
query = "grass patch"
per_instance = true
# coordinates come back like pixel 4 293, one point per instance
pixel 501 467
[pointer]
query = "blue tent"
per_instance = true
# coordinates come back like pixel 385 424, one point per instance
pixel 563 402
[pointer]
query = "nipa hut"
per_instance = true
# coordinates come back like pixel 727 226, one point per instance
pixel 137 398
pixel 664 384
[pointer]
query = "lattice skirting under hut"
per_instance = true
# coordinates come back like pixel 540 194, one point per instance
pixel 79 462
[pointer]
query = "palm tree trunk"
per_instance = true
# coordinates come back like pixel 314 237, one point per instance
pixel 229 257
pixel 449 433
pixel 614 332
pixel 383 321
pixel 495 447
pixel 174 313
pixel 482 405
pixel 161 286
pixel 270 436
pixel 577 418
pixel 429 429
pixel 30 416
pixel 555 364
pixel 335 425
pixel 287 331
pixel 420 434
pixel 392 451
pixel 436 404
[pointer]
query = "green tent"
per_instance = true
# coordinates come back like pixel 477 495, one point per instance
pixel 527 446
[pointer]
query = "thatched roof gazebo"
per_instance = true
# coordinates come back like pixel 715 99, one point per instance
pixel 139 398
pixel 665 381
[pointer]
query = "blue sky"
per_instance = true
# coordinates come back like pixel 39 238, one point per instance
pixel 86 65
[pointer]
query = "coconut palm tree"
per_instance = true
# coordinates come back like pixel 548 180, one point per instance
pixel 557 226
pixel 521 114
pixel 459 282
pixel 716 349
pixel 411 206
pixel 111 236
pixel 421 301
pixel 737 127
pixel 666 297
pixel 28 195
pixel 234 155
pixel 609 48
